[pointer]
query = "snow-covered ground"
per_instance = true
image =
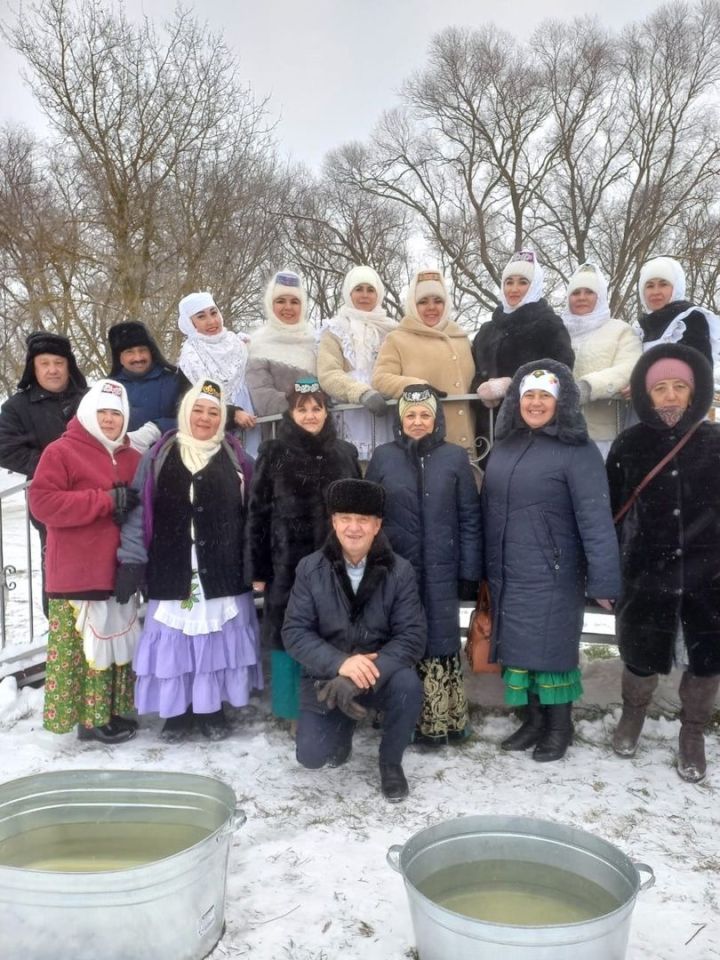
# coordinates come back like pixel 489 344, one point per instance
pixel 308 878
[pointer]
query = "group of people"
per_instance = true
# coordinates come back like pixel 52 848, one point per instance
pixel 158 481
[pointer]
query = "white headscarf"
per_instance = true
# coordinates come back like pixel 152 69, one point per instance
pixel 361 332
pixel 194 453
pixel 427 283
pixel 662 268
pixel 523 263
pixel 292 344
pixel 104 395
pixel 220 356
pixel 586 276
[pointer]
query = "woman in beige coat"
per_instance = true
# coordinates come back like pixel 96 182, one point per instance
pixel 348 349
pixel 429 347
pixel 606 350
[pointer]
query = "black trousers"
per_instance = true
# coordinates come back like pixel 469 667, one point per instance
pixel 327 737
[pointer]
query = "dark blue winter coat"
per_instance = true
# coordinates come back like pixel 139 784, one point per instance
pixel 432 518
pixel 548 532
pixel 154 396
pixel 326 622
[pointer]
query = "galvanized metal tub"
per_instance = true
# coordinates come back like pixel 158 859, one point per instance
pixel 166 909
pixel 441 933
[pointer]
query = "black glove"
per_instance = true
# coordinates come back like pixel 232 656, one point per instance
pixel 468 589
pixel 124 499
pixel 129 579
pixel 374 402
pixel 341 692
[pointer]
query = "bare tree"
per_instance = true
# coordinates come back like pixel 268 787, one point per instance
pixel 332 226
pixel 167 162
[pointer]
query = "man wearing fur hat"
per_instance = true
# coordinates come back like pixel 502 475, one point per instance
pixel 47 398
pixel 154 386
pixel 355 623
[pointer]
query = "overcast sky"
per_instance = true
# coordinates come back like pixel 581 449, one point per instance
pixel 330 66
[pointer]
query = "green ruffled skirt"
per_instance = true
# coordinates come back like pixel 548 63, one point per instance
pixel 551 688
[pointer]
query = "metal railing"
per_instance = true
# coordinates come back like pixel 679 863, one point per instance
pixel 19 569
pixel 20 548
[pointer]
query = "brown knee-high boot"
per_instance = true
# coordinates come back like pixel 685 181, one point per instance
pixel 636 696
pixel 697 699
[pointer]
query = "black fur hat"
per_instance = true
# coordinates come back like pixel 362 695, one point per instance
pixel 702 394
pixel 41 341
pixel 356 496
pixel 129 334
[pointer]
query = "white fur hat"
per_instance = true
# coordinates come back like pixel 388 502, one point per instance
pixel 358 275
pixel 522 263
pixel 587 277
pixel 662 268
pixel 284 283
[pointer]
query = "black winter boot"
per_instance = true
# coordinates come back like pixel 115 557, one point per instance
pixel 393 784
pixel 637 693
pixel 697 697
pixel 177 728
pixel 557 734
pixel 530 732
pixel 213 726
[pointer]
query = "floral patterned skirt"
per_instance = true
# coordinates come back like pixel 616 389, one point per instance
pixel 444 713
pixel 74 692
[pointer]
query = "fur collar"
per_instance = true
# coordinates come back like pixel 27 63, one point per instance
pixel 313 444
pixel 702 397
pixel 569 424
pixel 380 561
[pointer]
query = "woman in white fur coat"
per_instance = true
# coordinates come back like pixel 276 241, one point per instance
pixel 606 350
pixel 349 346
pixel 284 349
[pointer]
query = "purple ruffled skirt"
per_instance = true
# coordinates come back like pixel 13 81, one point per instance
pixel 175 671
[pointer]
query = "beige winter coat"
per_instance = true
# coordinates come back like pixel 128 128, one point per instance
pixel 334 372
pixel 415 353
pixel 605 359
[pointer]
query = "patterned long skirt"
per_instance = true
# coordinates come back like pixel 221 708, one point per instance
pixel 444 715
pixel 75 693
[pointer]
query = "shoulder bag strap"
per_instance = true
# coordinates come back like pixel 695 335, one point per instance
pixel 654 472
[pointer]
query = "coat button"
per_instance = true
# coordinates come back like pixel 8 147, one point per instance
pixel 460 412
pixel 676 512
pixel 200 509
pixel 678 552
pixel 457 383
pixel 453 357
pixel 201 543
pixel 673 473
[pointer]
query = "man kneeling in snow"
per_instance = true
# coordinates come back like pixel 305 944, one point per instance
pixel 355 622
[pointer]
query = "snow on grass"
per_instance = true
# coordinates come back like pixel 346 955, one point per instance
pixel 308 878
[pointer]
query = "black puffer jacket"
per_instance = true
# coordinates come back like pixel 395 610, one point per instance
pixel 670 538
pixel 287 516
pixel 432 518
pixel 547 529
pixel 326 622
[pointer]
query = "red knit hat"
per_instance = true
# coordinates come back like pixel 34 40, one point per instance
pixel 669 368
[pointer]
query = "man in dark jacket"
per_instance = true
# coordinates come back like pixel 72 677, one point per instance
pixel 355 622
pixel 47 398
pixel 154 386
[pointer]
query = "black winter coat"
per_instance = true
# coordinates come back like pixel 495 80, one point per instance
pixel 30 420
pixel 697 332
pixel 326 622
pixel 548 532
pixel 508 341
pixel 670 538
pixel 432 518
pixel 287 516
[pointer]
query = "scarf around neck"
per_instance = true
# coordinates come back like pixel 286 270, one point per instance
pixel 361 334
